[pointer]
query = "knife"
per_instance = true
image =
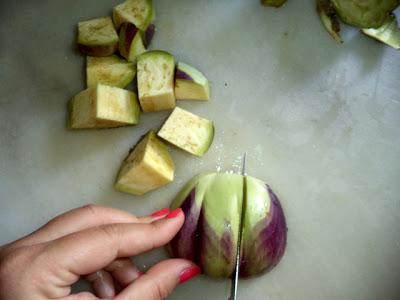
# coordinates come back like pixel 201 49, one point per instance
pixel 235 275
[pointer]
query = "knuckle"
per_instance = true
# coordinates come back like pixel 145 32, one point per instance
pixel 111 231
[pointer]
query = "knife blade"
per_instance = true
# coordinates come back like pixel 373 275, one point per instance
pixel 235 275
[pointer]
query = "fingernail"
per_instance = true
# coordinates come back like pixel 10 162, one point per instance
pixel 161 213
pixel 174 213
pixel 140 274
pixel 189 273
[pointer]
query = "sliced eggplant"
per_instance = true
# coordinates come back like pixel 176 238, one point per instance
pixel 188 132
pixel 110 70
pixel 130 42
pixel 104 106
pixel 97 37
pixel 190 83
pixel 138 12
pixel 155 75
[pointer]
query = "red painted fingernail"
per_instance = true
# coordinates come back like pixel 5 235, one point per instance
pixel 189 273
pixel 161 213
pixel 174 213
pixel 140 273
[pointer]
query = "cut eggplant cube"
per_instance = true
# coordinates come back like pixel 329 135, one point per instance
pixel 130 42
pixel 104 107
pixel 188 132
pixel 97 37
pixel 138 12
pixel 110 70
pixel 190 83
pixel 155 75
pixel 148 166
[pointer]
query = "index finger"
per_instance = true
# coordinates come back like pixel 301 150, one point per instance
pixel 90 250
pixel 75 220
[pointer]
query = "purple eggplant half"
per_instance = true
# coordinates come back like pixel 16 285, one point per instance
pixel 213 205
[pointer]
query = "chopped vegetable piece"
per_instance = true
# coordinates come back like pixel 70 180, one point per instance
pixel 276 3
pixel 329 19
pixel 190 84
pixel 130 42
pixel 364 13
pixel 388 33
pixel 188 132
pixel 97 37
pixel 148 166
pixel 138 12
pixel 110 70
pixel 155 75
pixel 102 107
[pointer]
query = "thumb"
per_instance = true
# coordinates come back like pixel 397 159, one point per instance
pixel 159 281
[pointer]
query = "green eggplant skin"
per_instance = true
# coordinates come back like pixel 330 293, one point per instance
pixel 212 204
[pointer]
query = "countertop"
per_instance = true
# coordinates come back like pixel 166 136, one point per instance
pixel 319 121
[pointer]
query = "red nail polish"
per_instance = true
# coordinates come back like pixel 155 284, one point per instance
pixel 161 213
pixel 189 273
pixel 174 213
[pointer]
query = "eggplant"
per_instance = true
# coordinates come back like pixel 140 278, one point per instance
pixel 364 13
pixel 155 80
pixel 215 204
pixel 188 132
pixel 97 37
pixel 190 83
pixel 109 70
pixel 388 33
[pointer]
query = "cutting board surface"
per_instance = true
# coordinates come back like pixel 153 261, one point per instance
pixel 319 121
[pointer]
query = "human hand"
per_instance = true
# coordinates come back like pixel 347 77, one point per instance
pixel 95 242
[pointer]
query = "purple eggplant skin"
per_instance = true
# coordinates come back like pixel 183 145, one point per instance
pixel 148 35
pixel 212 204
pixel 266 245
pixel 128 32
pixel 179 74
pixel 186 243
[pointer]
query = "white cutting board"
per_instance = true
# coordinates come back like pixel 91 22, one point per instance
pixel 319 121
